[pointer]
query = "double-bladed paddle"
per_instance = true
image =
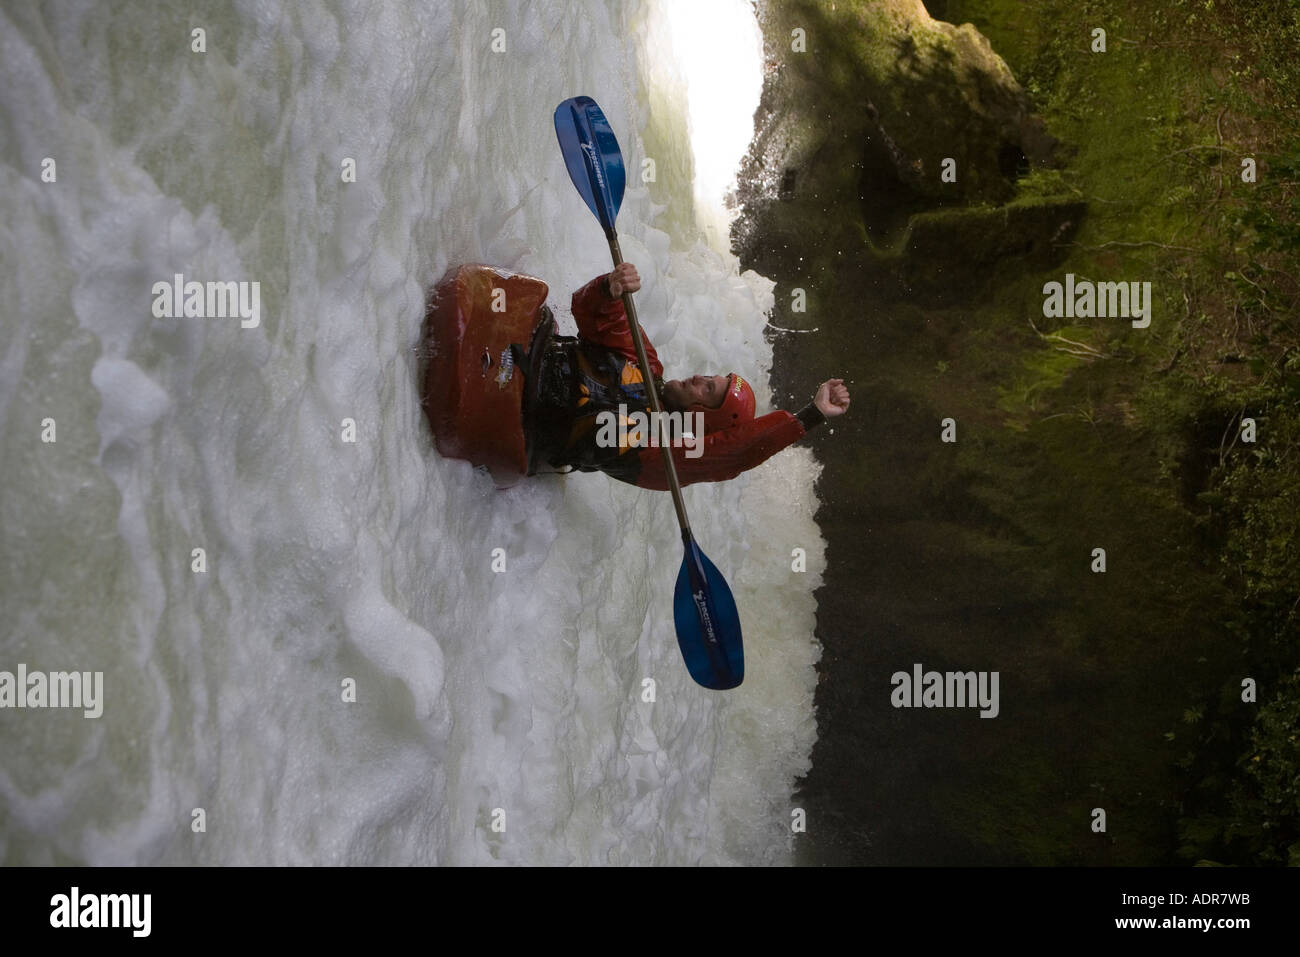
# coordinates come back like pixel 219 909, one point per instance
pixel 708 625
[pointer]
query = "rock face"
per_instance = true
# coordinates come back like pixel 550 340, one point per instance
pixel 844 199
pixel 853 132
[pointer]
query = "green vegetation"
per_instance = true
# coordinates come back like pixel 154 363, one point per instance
pixel 1161 124
pixel 1122 691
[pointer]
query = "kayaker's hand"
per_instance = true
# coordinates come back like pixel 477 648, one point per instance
pixel 623 279
pixel 832 398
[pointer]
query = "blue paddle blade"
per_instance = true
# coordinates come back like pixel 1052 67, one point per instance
pixel 708 626
pixel 592 156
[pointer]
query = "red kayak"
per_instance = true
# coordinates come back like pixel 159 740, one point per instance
pixel 485 331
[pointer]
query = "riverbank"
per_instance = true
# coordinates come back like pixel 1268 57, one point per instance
pixel 1120 689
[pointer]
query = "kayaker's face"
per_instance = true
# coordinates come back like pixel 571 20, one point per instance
pixel 706 390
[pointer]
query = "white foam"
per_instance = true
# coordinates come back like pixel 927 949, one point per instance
pixel 370 562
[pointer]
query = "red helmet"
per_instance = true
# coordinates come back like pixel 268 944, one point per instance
pixel 736 408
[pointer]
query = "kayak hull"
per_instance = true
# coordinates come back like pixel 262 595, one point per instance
pixel 475 382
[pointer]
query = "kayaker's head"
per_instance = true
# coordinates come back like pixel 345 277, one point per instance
pixel 725 400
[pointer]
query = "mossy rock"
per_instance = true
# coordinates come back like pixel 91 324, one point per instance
pixel 948 253
pixel 853 132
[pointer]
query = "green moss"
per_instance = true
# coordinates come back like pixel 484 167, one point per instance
pixel 1040 373
pixel 1058 454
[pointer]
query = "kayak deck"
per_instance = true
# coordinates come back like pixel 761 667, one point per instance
pixel 478 322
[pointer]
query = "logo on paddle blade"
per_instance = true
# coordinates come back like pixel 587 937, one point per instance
pixel 702 607
pixel 594 161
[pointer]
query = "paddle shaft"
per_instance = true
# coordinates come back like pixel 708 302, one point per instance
pixel 704 611
pixel 670 467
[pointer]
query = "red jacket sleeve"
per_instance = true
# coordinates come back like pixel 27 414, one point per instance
pixel 603 321
pixel 726 453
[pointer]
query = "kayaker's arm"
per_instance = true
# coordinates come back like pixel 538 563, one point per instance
pixel 727 453
pixel 601 318
pixel 810 416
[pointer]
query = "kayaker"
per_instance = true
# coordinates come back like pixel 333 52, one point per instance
pixel 597 372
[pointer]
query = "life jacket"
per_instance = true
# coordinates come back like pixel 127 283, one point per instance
pixel 578 381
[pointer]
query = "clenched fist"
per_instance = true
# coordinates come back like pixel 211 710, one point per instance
pixel 832 398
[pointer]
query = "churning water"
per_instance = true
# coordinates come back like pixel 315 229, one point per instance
pixel 498 716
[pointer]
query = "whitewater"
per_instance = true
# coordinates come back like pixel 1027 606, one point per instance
pixel 519 697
